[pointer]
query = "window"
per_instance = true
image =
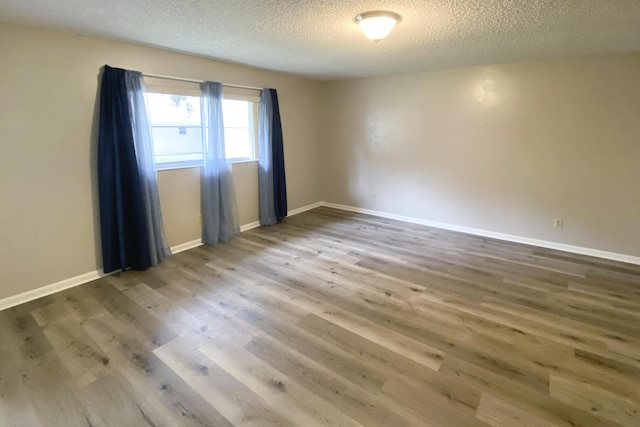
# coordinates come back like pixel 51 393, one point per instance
pixel 239 125
pixel 177 129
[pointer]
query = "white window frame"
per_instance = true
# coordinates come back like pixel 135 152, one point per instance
pixel 237 94
pixel 172 87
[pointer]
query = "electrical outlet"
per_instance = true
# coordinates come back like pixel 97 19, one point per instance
pixel 373 195
pixel 558 223
pixel 200 219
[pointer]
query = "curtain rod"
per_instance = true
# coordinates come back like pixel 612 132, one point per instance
pixel 160 76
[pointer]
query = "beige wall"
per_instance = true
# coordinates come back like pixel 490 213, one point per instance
pixel 48 86
pixel 503 148
pixel 180 200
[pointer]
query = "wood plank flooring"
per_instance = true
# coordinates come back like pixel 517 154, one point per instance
pixel 339 319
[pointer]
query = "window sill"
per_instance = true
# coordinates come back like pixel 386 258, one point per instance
pixel 166 167
pixel 161 167
pixel 244 161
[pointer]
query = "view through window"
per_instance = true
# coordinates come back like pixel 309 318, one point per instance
pixel 177 129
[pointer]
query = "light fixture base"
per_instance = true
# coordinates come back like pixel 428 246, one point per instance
pixel 377 24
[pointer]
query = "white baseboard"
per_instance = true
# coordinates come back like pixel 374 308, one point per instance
pixel 93 275
pixel 305 208
pixel 251 225
pixel 186 246
pixel 292 212
pixel 500 236
pixel 49 289
pixel 65 284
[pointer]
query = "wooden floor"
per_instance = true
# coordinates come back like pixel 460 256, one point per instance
pixel 333 318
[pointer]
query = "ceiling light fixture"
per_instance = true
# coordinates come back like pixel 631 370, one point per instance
pixel 377 24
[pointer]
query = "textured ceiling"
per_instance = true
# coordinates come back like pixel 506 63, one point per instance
pixel 319 38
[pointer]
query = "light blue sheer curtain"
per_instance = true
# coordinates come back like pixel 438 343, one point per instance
pixel 145 158
pixel 265 160
pixel 219 209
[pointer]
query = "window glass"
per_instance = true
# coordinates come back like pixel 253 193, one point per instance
pixel 177 129
pixel 238 129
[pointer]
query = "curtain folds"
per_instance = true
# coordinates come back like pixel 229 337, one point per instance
pixel 130 218
pixel 272 187
pixel 219 209
pixel 265 163
pixel 145 155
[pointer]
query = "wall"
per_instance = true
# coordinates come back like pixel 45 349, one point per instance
pixel 503 148
pixel 48 130
pixel 181 203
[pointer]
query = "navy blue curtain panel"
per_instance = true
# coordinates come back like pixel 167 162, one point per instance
pixel 277 153
pixel 122 216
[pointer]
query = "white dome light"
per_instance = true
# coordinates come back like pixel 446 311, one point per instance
pixel 377 25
